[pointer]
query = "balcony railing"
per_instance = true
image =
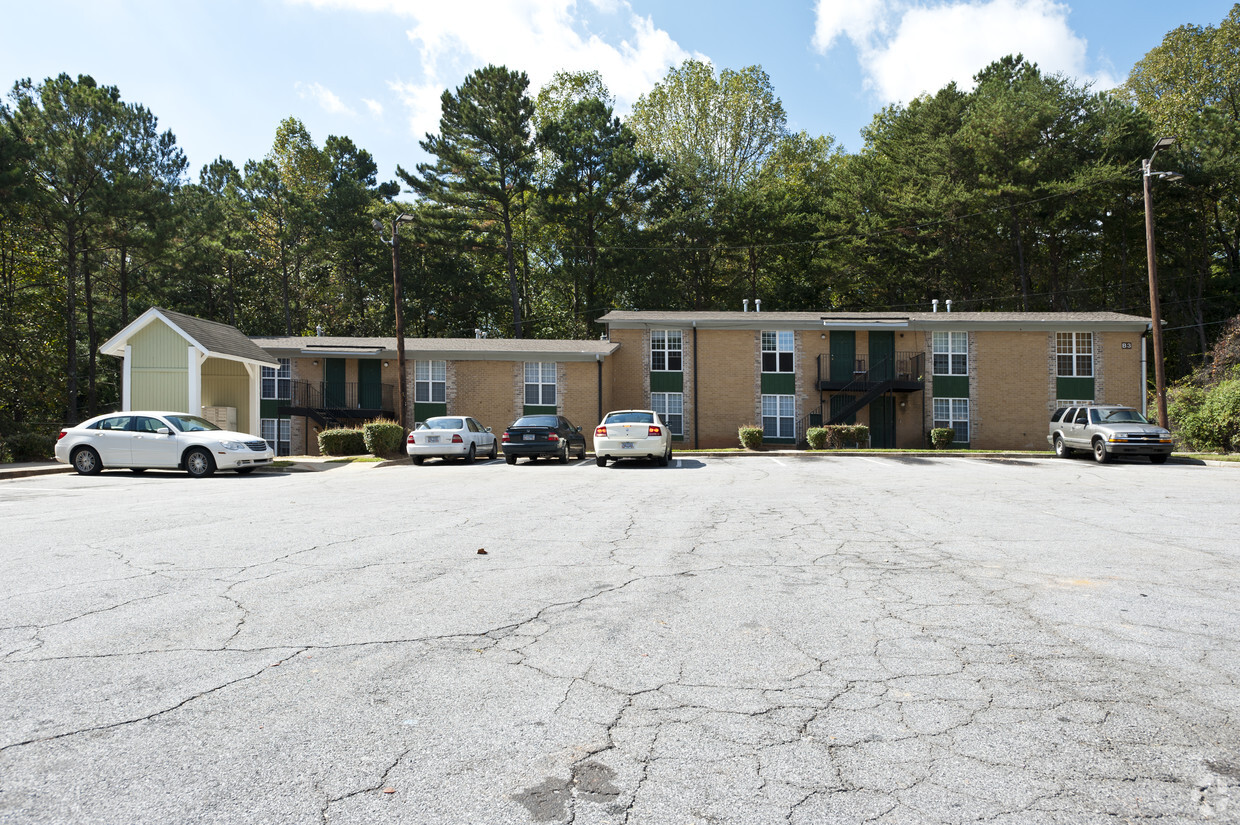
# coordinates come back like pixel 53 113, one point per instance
pixel 898 366
pixel 343 396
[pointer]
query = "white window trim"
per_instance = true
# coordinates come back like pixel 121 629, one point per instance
pixel 779 418
pixel 541 383
pixel 949 352
pixel 281 426
pixel 280 377
pixel 792 350
pixel 665 415
pixel 667 349
pixel 951 418
pixel 430 381
pixel 1074 354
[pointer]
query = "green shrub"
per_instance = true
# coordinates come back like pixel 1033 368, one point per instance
pixel 751 437
pixel 383 437
pixel 816 437
pixel 6 457
pixel 941 438
pixel 29 447
pixel 1207 419
pixel 342 442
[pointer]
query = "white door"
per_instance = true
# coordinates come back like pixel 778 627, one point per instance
pixel 151 448
pixel 111 439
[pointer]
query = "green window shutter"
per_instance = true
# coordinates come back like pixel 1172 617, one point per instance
pixel 423 411
pixel 1075 389
pixel 779 383
pixel 538 409
pixel 951 386
pixel 667 382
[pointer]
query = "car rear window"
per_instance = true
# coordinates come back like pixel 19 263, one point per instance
pixel 537 421
pixel 1058 414
pixel 444 424
pixel 630 418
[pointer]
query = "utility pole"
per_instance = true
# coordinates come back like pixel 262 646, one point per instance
pixel 398 299
pixel 1160 375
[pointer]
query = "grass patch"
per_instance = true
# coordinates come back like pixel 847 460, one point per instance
pixel 1209 456
pixel 356 459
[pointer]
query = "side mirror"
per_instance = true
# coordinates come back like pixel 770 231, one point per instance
pixel 576 429
pixel 488 429
pixel 164 431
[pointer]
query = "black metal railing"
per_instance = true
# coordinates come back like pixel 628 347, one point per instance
pixel 899 366
pixel 340 397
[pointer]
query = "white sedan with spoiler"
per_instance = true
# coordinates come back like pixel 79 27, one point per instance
pixel 451 436
pixel 632 434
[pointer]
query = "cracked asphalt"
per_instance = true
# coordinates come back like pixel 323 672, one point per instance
pixel 748 640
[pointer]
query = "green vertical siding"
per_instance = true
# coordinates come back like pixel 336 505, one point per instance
pixel 227 384
pixel 159 369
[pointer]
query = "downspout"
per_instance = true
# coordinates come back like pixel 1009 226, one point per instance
pixel 599 360
pixel 1145 387
pixel 696 445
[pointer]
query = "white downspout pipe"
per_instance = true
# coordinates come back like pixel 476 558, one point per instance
pixel 1145 391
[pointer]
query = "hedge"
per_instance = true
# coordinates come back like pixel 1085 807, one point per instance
pixel 941 438
pixel 835 436
pixel 383 437
pixel 27 447
pixel 750 436
pixel 342 442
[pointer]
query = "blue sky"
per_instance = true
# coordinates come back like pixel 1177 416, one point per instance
pixel 222 74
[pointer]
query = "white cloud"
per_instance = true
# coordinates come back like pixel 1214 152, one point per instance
pixel 539 37
pixel 375 107
pixel 325 97
pixel 908 47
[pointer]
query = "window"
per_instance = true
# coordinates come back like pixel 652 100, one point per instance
pixel 275 432
pixel 951 353
pixel 430 382
pixel 666 346
pixel 540 384
pixel 1075 351
pixel 954 414
pixel 778 416
pixel 671 408
pixel 277 383
pixel 777 351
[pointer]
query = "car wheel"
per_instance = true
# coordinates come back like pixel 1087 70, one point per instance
pixel 86 462
pixel 1061 449
pixel 510 459
pixel 1100 451
pixel 244 471
pixel 660 460
pixel 563 456
pixel 1160 458
pixel 494 450
pixel 417 459
pixel 199 463
pixel 600 460
pixel 469 455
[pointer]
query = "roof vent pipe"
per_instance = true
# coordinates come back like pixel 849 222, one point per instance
pixel 757 304
pixel 477 332
pixel 746 303
pixel 949 304
pixel 318 330
pixel 935 304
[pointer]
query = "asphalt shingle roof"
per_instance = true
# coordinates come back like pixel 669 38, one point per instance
pixel 217 338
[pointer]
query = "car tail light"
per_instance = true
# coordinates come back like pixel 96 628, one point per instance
pixel 456 439
pixel 600 431
pixel 653 430
pixel 61 435
pixel 504 437
pixel 410 441
pixel 553 436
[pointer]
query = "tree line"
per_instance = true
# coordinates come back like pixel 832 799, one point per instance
pixel 537 211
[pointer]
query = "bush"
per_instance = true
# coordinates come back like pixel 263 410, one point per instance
pixel 837 436
pixel 28 447
pixel 342 442
pixel 751 437
pixel 941 438
pixel 383 437
pixel 1207 419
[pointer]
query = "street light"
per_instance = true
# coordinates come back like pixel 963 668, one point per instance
pixel 1160 376
pixel 397 299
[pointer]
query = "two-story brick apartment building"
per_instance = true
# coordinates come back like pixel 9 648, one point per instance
pixel 992 377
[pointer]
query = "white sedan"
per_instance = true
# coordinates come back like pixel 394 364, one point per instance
pixel 158 440
pixel 632 434
pixel 451 436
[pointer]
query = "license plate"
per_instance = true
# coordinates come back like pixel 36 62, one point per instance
pixel 432 439
pixel 626 445
pixel 527 437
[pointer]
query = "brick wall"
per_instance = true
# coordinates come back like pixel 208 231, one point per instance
pixel 483 389
pixel 630 370
pixel 728 363
pixel 577 394
pixel 1008 390
pixel 1121 368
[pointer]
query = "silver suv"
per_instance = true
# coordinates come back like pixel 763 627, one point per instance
pixel 1107 430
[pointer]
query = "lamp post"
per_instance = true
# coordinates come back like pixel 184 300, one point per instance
pixel 397 300
pixel 1160 376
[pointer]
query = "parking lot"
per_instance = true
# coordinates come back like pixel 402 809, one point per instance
pixel 727 640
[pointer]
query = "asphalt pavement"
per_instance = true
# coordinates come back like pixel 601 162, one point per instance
pixel 770 639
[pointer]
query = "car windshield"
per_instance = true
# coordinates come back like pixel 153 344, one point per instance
pixel 537 421
pixel 1123 417
pixel 444 423
pixel 630 418
pixel 191 423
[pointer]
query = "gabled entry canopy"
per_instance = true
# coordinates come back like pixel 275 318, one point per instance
pixel 211 338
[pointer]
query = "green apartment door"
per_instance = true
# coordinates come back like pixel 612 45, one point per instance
pixel 333 383
pixel 843 354
pixel 882 356
pixel 369 385
pixel 883 423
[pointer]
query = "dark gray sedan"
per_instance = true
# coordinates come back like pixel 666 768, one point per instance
pixel 545 436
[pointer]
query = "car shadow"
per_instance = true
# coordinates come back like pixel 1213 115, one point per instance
pixel 648 464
